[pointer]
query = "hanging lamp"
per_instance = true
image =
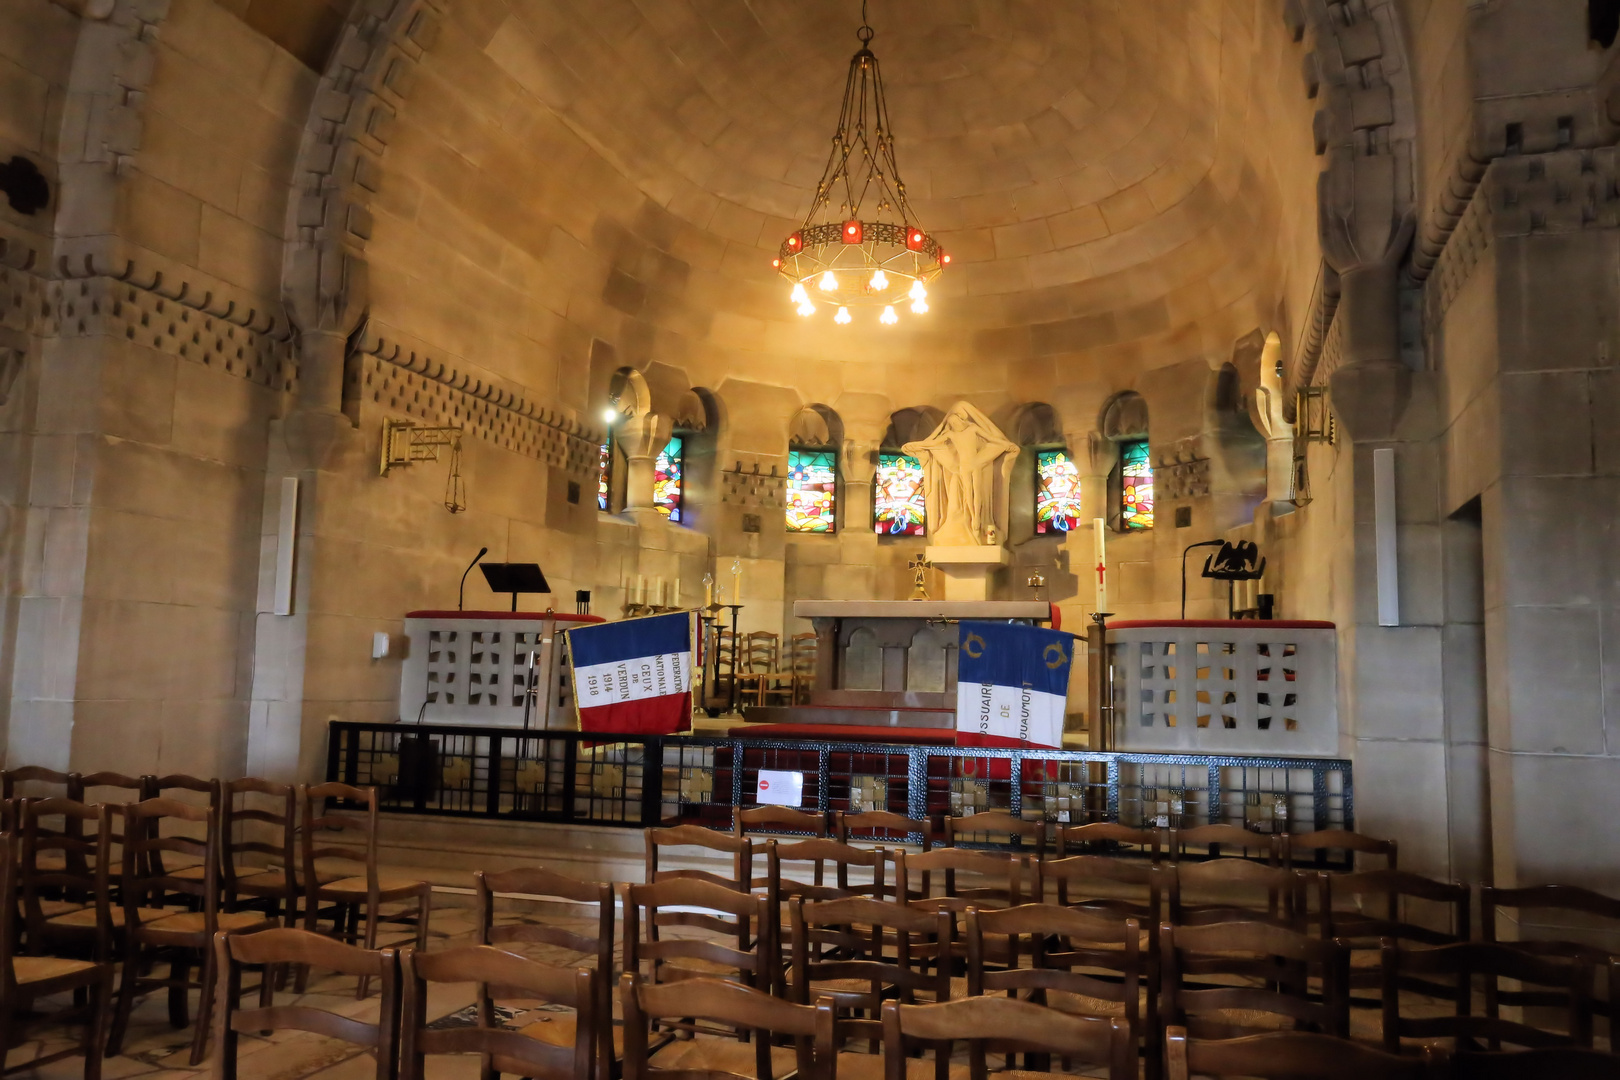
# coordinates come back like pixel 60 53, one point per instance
pixel 861 244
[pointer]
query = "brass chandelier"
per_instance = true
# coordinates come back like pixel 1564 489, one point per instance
pixel 840 259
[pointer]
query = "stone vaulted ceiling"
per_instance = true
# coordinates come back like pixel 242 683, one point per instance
pixel 1106 173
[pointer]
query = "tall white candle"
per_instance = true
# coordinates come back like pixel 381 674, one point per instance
pixel 675 594
pixel 658 591
pixel 1099 567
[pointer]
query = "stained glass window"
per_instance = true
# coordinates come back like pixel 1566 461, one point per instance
pixel 811 491
pixel 604 474
pixel 667 473
pixel 897 494
pixel 1136 489
pixel 1057 493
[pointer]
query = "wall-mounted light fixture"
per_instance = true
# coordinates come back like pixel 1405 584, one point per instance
pixel 405 443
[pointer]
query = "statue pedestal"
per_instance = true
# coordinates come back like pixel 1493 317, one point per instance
pixel 967 568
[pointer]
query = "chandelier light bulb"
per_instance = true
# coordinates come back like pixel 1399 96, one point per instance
pixel 917 290
pixel 799 295
pixel 888 318
pixel 880 280
pixel 829 282
pixel 807 309
pixel 611 416
pixel 919 307
pixel 842 318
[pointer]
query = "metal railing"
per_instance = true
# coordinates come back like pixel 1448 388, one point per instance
pixel 637 781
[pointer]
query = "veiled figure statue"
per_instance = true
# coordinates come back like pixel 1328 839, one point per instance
pixel 967 465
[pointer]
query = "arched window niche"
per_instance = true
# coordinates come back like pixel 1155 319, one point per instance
pixel 814 495
pixel 1130 482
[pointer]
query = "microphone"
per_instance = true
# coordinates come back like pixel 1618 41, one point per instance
pixel 461 594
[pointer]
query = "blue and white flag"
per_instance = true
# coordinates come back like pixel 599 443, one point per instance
pixel 634 677
pixel 1012 682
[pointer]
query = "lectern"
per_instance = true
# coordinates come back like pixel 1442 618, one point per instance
pixel 514 578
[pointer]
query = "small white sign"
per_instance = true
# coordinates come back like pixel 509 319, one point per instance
pixel 779 788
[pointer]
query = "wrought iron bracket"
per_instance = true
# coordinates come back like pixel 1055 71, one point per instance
pixel 405 443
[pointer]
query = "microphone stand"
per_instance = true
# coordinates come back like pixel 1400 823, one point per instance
pixel 461 593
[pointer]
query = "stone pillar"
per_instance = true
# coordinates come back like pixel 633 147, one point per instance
pixel 858 459
pixel 642 438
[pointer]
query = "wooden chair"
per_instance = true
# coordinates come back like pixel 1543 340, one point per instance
pixel 537 881
pixel 1061 942
pixel 1291 1055
pixel 172 787
pixel 1214 841
pixel 804 650
pixel 1107 837
pixel 1019 833
pixel 12 782
pixel 278 947
pixel 258 819
pixel 1568 904
pixel 35 781
pixel 736 1007
pixel 742 922
pixel 759 663
pixel 1235 890
pixel 860 952
pixel 503 1050
pixel 1125 888
pixel 777 821
pixel 774 821
pixel 180 938
pixel 1001 874
pixel 739 848
pixel 882 826
pixel 26 979
pixel 1003 1025
pixel 820 855
pixel 66 876
pixel 113 787
pixel 1363 908
pixel 364 892
pixel 1560 1063
pixel 1297 847
pixel 1251 978
pixel 1460 963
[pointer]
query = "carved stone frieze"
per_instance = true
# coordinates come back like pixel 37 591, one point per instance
pixel 747 485
pixel 398 379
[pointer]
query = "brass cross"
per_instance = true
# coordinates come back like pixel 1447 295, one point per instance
pixel 919 568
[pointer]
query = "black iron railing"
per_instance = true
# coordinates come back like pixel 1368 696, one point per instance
pixel 639 781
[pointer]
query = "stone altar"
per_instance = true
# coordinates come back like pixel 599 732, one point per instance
pixel 888 664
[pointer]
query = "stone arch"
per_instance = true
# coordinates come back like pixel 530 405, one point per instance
pixel 816 425
pixel 339 172
pixel 910 424
pixel 1034 423
pixel 1124 416
pixel 629 394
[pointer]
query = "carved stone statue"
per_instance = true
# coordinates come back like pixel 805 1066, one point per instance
pixel 967 463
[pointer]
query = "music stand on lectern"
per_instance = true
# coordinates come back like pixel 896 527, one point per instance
pixel 514 578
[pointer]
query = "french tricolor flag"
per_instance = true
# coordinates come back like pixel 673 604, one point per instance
pixel 634 677
pixel 1012 685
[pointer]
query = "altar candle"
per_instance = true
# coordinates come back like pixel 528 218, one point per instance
pixel 708 593
pixel 658 590
pixel 675 594
pixel 641 589
pixel 736 582
pixel 1099 532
